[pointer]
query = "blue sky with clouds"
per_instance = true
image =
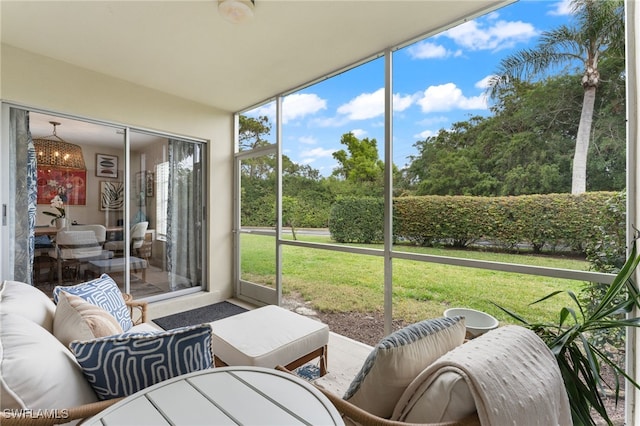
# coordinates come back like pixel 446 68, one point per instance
pixel 436 82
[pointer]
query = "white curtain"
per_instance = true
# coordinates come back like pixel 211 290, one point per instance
pixel 184 214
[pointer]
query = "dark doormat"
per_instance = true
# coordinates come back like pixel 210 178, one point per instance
pixel 201 315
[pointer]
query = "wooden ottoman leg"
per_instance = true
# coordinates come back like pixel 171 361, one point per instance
pixel 324 360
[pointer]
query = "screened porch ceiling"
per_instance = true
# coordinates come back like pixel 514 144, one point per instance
pixel 186 49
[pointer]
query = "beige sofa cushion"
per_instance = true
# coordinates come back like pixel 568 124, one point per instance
pixel 77 319
pixel 38 372
pixel 447 398
pixel 398 359
pixel 27 301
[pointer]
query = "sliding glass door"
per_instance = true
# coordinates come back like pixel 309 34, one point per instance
pixel 139 196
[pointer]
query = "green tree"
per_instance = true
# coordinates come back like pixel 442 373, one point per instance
pixel 526 146
pixel 360 162
pixel 251 136
pixel 598 33
pixel 252 131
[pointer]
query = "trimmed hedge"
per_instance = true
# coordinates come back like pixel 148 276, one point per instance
pixel 357 220
pixel 547 221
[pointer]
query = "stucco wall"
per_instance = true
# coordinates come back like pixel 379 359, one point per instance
pixel 40 82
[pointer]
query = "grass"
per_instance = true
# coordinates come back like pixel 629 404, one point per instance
pixel 340 282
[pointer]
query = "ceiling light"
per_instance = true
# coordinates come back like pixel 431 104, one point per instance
pixel 236 11
pixel 55 151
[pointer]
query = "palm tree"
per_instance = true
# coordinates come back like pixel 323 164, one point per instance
pixel 599 31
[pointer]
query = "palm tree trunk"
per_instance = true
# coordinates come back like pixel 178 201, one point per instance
pixel 579 177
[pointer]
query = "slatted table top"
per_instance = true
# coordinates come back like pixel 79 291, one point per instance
pixel 224 396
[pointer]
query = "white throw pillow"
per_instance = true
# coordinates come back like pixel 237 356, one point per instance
pixel 398 359
pixel 27 301
pixel 38 372
pixel 77 319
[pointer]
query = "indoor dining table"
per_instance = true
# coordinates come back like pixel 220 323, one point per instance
pixel 224 396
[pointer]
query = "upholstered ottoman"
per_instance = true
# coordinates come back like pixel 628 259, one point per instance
pixel 270 336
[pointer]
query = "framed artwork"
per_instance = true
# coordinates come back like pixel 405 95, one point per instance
pixel 144 184
pixel 70 185
pixel 111 196
pixel 149 184
pixel 107 165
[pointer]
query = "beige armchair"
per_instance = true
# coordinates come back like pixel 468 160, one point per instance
pixel 506 376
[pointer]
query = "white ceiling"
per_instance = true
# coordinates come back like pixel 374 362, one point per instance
pixel 185 48
pixel 85 133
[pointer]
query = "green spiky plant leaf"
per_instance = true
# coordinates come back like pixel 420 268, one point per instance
pixel 578 358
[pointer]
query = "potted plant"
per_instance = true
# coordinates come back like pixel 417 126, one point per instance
pixel 59 218
pixel 570 341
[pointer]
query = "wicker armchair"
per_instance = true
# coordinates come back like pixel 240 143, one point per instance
pixel 352 414
pixel 137 309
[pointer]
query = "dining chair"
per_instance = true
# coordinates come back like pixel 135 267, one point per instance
pixel 74 247
pixel 99 230
pixel 137 234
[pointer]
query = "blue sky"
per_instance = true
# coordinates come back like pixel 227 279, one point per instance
pixel 436 82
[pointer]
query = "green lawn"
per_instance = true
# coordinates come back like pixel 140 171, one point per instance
pixel 334 281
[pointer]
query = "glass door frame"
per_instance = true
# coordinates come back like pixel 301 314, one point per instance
pixel 246 290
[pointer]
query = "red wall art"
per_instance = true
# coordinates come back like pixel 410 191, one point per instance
pixel 70 184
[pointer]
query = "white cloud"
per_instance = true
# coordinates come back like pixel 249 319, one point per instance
pixel 308 140
pixel 299 105
pixel 295 106
pixel 402 102
pixel 500 34
pixel 561 8
pixel 428 50
pixel 364 106
pixel 447 97
pixel 371 105
pixel 484 83
pixel 311 155
pixel 425 134
pixel 359 133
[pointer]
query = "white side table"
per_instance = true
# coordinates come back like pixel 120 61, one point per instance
pixel 228 395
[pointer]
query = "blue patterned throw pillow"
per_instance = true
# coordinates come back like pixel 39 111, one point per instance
pixel 398 359
pixel 122 365
pixel 102 292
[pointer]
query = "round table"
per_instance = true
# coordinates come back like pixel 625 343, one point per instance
pixel 227 395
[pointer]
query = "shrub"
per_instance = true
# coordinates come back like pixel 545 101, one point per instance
pixel 357 220
pixel 549 221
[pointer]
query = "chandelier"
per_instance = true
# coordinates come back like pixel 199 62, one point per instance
pixel 54 151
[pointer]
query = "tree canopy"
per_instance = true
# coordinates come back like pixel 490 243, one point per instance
pixel 598 34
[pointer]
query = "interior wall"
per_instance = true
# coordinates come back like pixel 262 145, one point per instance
pixel 43 83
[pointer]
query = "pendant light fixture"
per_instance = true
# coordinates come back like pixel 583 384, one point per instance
pixel 54 151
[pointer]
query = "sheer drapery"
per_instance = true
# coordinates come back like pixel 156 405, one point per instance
pixel 23 166
pixel 184 214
